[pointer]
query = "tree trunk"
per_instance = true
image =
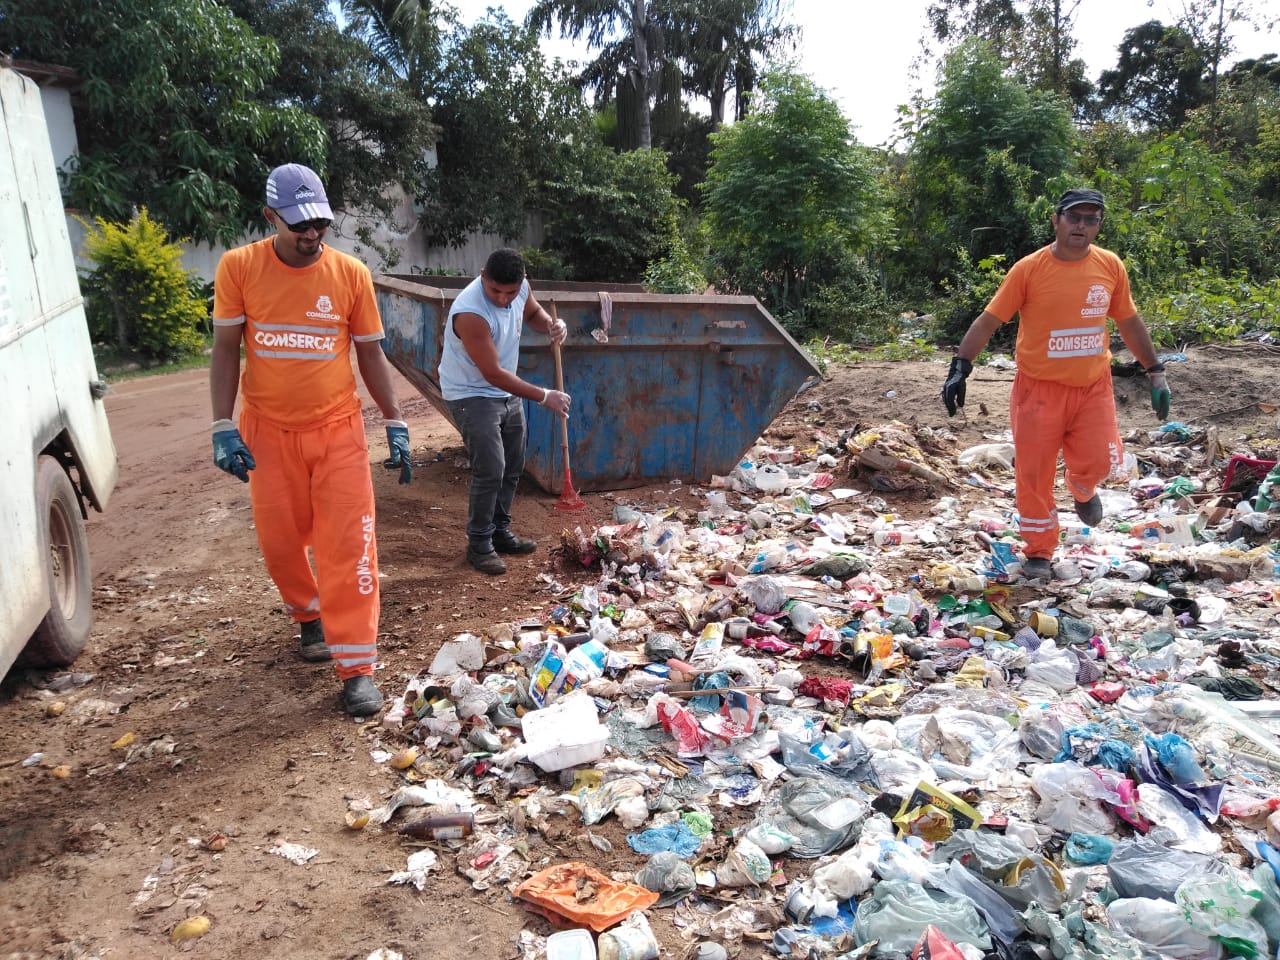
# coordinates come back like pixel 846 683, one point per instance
pixel 639 21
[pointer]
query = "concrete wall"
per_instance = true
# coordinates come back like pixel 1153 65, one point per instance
pixel 61 122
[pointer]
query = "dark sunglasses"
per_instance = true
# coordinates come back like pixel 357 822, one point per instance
pixel 1080 218
pixel 319 225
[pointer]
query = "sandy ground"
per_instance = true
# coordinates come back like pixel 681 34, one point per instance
pixel 192 655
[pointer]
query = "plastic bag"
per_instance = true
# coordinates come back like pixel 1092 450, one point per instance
pixel 989 854
pixel 1001 919
pixel 1268 909
pixel 1161 926
pixel 1087 850
pixel 1069 799
pixel 1173 824
pixel 796 808
pixel 899 911
pixel 553 893
pixel 1221 908
pixel 934 946
pixel 1177 757
pixel 1143 868
pixel 668 876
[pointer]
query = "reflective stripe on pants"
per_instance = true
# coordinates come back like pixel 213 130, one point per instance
pixel 312 488
pixel 1049 417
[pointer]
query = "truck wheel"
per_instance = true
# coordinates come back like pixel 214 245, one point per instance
pixel 62 634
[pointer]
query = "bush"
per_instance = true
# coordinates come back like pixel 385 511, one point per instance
pixel 1208 307
pixel 677 272
pixel 969 292
pixel 542 264
pixel 138 297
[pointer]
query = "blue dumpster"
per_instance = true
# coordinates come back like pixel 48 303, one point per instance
pixel 663 387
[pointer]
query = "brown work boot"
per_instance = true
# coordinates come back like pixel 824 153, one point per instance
pixel 486 562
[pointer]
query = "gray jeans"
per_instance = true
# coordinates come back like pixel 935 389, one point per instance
pixel 492 430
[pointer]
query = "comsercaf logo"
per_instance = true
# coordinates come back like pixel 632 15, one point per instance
pixel 323 310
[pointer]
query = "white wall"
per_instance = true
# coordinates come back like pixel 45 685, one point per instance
pixel 401 233
pixel 60 120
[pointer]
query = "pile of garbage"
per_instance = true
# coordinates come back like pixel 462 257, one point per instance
pixel 832 732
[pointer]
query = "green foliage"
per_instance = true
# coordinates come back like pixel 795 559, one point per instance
pixel 977 166
pixel 1160 77
pixel 507 120
pixel 853 307
pixel 826 351
pixel 607 214
pixel 1207 307
pixel 170 112
pixel 969 290
pixel 542 264
pixel 378 130
pixel 138 296
pixel 677 271
pixel 789 197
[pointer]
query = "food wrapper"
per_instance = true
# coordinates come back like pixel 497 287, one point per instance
pixel 933 814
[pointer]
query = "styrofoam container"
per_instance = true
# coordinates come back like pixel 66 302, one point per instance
pixel 565 734
pixel 571 945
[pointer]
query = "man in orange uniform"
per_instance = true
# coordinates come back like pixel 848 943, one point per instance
pixel 298 305
pixel 1062 396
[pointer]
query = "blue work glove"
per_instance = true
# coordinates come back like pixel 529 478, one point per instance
pixel 953 389
pixel 1160 395
pixel 229 450
pixel 398 442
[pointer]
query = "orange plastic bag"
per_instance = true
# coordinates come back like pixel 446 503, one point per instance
pixel 583 896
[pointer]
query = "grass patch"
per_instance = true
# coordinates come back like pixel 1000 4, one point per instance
pixel 115 366
pixel 827 351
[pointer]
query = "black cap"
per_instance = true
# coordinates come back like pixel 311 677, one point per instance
pixel 1074 198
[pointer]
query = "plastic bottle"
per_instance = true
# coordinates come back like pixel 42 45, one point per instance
pixel 893 538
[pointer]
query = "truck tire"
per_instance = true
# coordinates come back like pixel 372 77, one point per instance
pixel 63 633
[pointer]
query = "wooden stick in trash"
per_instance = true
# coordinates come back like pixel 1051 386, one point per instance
pixel 688 694
pixel 879 460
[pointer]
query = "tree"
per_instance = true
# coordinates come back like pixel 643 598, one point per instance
pixel 978 162
pixel 171 113
pixel 721 43
pixel 378 132
pixel 632 52
pixel 789 197
pixel 1033 37
pixel 608 215
pixel 506 120
pixel 1159 77
pixel 405 36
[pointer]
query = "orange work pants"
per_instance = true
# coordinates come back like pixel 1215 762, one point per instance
pixel 312 488
pixel 1049 417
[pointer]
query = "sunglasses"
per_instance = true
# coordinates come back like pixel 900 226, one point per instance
pixel 319 225
pixel 1079 218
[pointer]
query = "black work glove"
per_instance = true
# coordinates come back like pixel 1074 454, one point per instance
pixel 953 389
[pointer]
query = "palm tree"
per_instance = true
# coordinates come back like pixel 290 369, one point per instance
pixel 630 39
pixel 405 36
pixel 719 42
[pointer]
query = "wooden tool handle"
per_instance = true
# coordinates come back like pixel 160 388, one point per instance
pixel 555 352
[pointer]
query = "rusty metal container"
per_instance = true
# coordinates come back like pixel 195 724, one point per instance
pixel 663 387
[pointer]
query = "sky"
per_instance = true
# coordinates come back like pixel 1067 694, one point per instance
pixel 861 51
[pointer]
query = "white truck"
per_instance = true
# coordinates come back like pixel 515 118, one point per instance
pixel 56 454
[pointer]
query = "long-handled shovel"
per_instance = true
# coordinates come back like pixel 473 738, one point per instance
pixel 569 499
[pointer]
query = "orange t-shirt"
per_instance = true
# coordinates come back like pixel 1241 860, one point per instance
pixel 299 324
pixel 1063 307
